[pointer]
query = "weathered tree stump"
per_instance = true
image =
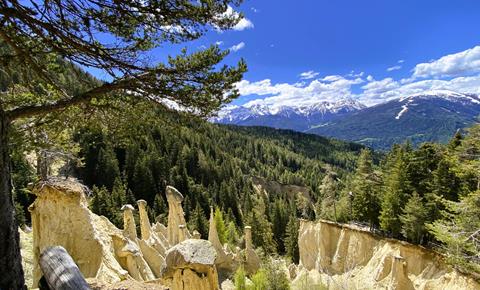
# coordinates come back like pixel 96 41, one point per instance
pixel 60 271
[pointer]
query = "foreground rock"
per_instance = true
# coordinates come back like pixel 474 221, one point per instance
pixel 60 217
pixel 159 254
pixel 191 265
pixel 346 257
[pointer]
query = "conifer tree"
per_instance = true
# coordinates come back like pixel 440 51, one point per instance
pixel 262 234
pixel 445 182
pixel 220 223
pixel 459 231
pixel 232 235
pixel 291 238
pixel 365 190
pixel 107 170
pixel 396 193
pixel 327 203
pixel 413 219
pixel 279 220
pixel 199 222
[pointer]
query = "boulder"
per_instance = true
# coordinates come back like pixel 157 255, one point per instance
pixel 191 265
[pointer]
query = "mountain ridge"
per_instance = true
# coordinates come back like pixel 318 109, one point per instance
pixel 427 116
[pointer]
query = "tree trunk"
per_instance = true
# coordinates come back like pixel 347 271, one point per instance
pixel 60 271
pixel 11 272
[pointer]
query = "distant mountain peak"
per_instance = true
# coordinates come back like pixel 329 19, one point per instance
pixel 444 94
pixel 302 115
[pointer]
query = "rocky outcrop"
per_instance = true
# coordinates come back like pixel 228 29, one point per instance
pixel 348 257
pixel 60 217
pixel 176 217
pixel 191 265
pixel 252 261
pixel 108 255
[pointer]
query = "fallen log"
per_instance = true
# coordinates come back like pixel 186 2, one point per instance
pixel 60 271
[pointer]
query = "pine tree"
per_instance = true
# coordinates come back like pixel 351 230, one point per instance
pixel 291 238
pixel 220 223
pixel 413 219
pixel 107 170
pixel 199 222
pixel 232 235
pixel 280 220
pixel 327 203
pixel 445 182
pixel 459 231
pixel 365 190
pixel 396 192
pixel 262 234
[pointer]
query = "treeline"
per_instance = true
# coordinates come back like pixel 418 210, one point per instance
pixel 429 195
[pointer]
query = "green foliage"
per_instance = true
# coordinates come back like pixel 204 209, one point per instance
pixel 413 219
pixel 220 223
pixel 459 231
pixel 108 204
pixel 396 191
pixel 259 280
pixel 279 219
pixel 365 187
pixel 327 203
pixel 275 275
pixel 232 234
pixel 198 222
pixel 262 234
pixel 291 239
pixel 239 279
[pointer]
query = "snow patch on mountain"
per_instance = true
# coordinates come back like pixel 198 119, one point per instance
pixel 404 109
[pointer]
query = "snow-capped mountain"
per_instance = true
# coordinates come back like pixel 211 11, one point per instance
pixel 301 117
pixel 428 116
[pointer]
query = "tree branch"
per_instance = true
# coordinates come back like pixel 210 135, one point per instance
pixel 33 110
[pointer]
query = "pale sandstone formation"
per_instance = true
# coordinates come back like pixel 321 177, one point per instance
pixel 346 257
pixel 60 216
pixel 176 217
pixel 145 226
pixel 191 265
pixel 252 261
pixel 108 255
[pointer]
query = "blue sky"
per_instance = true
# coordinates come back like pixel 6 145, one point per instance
pixel 370 50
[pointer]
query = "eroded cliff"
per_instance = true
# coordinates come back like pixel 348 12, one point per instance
pixel 348 257
pixel 161 255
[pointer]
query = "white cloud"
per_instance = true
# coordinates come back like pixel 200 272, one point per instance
pixel 243 24
pixel 387 89
pixel 454 65
pixel 308 75
pixel 219 43
pixel 329 88
pixel 457 72
pixel 401 61
pixel 255 10
pixel 237 47
pixel 395 67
